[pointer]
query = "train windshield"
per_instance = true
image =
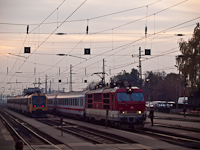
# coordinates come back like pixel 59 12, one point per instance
pixel 132 97
pixel 39 100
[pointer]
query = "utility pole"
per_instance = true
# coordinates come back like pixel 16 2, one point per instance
pixel 46 84
pixel 140 64
pixel 103 74
pixel 50 87
pixel 104 81
pixel 70 82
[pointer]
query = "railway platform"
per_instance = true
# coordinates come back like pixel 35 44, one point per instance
pixel 73 143
pixel 6 140
pixel 176 120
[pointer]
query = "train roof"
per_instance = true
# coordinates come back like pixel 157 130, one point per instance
pixel 24 96
pixel 75 94
pixel 108 90
pixel 103 90
pixel 67 94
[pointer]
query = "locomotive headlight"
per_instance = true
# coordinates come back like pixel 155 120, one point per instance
pixel 139 112
pixel 123 112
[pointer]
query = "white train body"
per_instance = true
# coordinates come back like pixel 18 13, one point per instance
pixel 71 104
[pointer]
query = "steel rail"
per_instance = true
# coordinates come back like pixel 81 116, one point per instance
pixel 32 148
pixel 33 132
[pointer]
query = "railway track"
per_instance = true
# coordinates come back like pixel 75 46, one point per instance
pixel 98 137
pixel 91 135
pixel 172 137
pixel 31 138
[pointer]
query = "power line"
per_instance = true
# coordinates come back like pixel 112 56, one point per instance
pixel 49 36
pixel 92 18
pixel 140 18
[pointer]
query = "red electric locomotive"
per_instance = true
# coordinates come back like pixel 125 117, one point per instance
pixel 121 107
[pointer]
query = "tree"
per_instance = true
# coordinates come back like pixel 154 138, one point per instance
pixel 171 87
pixel 132 78
pixel 154 88
pixel 161 86
pixel 189 61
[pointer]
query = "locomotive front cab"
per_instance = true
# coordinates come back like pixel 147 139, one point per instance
pixel 130 105
pixel 39 105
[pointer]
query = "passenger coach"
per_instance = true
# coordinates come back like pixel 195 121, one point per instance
pixel 70 104
pixel 34 104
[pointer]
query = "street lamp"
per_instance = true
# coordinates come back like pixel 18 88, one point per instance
pixel 185 84
pixel 18 55
pixel 180 34
pixel 178 88
pixel 148 80
pixel 70 55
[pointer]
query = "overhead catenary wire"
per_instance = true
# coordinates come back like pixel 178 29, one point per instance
pixel 176 25
pixel 162 31
pixel 51 34
pixel 100 55
pixel 140 18
pixel 93 18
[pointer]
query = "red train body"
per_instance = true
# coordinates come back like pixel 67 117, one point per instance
pixel 119 106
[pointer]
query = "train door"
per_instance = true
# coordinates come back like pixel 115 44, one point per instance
pixel 30 104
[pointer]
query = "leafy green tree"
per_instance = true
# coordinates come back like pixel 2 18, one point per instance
pixel 189 61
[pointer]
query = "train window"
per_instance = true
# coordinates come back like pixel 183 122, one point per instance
pixel 106 106
pixel 65 101
pixel 107 95
pixel 106 101
pixel 41 100
pixel 89 105
pixel 123 97
pixel 97 97
pixel 70 102
pixel 89 95
pixel 76 102
pixel 81 102
pixel 137 96
pixel 89 100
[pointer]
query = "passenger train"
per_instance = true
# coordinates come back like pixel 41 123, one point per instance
pixel 34 104
pixel 121 107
